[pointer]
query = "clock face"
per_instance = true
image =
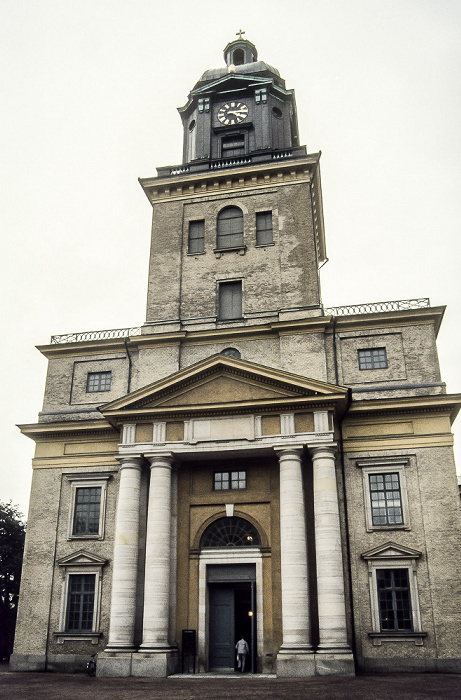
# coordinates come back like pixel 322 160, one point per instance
pixel 232 113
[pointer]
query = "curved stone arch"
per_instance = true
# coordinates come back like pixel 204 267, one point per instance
pixel 222 514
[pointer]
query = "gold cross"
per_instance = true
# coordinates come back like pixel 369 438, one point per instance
pixel 239 33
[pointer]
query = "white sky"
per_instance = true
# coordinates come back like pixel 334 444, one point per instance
pixel 89 91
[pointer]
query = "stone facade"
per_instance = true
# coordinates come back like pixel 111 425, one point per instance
pixel 285 472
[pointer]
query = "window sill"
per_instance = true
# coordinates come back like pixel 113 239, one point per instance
pixel 92 637
pixel 97 536
pixel 264 245
pixel 201 252
pixel 379 637
pixel 236 249
pixel 377 528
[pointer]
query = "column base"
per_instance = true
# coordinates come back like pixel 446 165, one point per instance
pixel 334 663
pixel 114 664
pixel 295 662
pixel 154 664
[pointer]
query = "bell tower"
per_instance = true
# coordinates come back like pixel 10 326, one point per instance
pixel 237 232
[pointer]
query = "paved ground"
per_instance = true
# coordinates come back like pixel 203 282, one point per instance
pixel 48 686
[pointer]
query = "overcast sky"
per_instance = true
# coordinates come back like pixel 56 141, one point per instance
pixel 89 91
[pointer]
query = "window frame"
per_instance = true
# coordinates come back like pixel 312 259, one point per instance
pixel 230 480
pixel 385 466
pixel 199 238
pixel 84 481
pixel 101 372
pixel 372 359
pixel 392 556
pixel 221 285
pixel 258 217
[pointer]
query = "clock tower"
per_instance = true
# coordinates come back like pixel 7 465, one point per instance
pixel 237 232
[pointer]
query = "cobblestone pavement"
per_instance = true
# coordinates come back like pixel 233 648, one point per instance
pixel 48 686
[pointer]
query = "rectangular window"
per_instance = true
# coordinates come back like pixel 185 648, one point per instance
pixel 86 511
pixel 372 358
pixel 196 236
pixel 98 381
pixel 80 603
pixel 232 146
pixel 264 235
pixel 230 300
pixel 225 481
pixel 386 501
pixel 394 600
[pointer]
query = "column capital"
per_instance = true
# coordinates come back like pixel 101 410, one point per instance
pixel 132 461
pixel 322 450
pixel 160 459
pixel 286 450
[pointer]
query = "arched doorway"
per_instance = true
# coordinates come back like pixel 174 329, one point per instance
pixel 231 559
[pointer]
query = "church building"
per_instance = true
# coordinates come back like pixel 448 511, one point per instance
pixel 248 462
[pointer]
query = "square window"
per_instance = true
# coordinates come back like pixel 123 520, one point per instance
pixel 230 300
pixel 98 381
pixel 230 481
pixel 372 358
pixel 196 236
pixel 264 233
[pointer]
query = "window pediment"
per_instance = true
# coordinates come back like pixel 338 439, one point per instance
pixel 82 558
pixel 391 550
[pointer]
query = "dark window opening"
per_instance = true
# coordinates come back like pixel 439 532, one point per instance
pixel 231 352
pixel 86 511
pixel 230 481
pixel 230 300
pixel 264 233
pixel 373 358
pixel 230 228
pixel 386 501
pixel 230 532
pixel 80 603
pixel 98 381
pixel 394 600
pixel 196 236
pixel 238 57
pixel 232 146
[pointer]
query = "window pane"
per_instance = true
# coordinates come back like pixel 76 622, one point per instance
pixel 196 236
pixel 394 600
pixel 230 300
pixel 229 480
pixel 230 228
pixel 264 234
pixel 86 512
pixel 386 501
pixel 98 381
pixel 374 358
pixel 80 603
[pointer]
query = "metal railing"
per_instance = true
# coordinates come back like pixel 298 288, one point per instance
pixel 94 335
pixel 377 306
pixel 369 308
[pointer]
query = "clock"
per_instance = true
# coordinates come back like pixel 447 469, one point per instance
pixel 232 113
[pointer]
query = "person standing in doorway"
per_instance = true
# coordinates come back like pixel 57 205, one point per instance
pixel 242 652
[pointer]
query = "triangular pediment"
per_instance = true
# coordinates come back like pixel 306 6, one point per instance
pixel 391 550
pixel 82 558
pixel 225 382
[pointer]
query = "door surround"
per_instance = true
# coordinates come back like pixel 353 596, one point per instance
pixel 224 557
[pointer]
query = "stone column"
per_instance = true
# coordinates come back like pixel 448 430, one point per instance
pixel 330 576
pixel 158 555
pixel 295 656
pixel 126 550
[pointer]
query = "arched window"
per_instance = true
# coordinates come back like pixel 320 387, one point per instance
pixel 239 57
pixel 230 532
pixel 231 352
pixel 230 228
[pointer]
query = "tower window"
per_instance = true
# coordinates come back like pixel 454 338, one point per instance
pixel 98 381
pixel 232 146
pixel 230 228
pixel 264 235
pixel 196 236
pixel 373 358
pixel 230 300
pixel 238 58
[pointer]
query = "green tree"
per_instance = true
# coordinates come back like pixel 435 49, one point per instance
pixel 12 535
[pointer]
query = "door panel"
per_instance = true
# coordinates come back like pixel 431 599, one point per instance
pixel 221 640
